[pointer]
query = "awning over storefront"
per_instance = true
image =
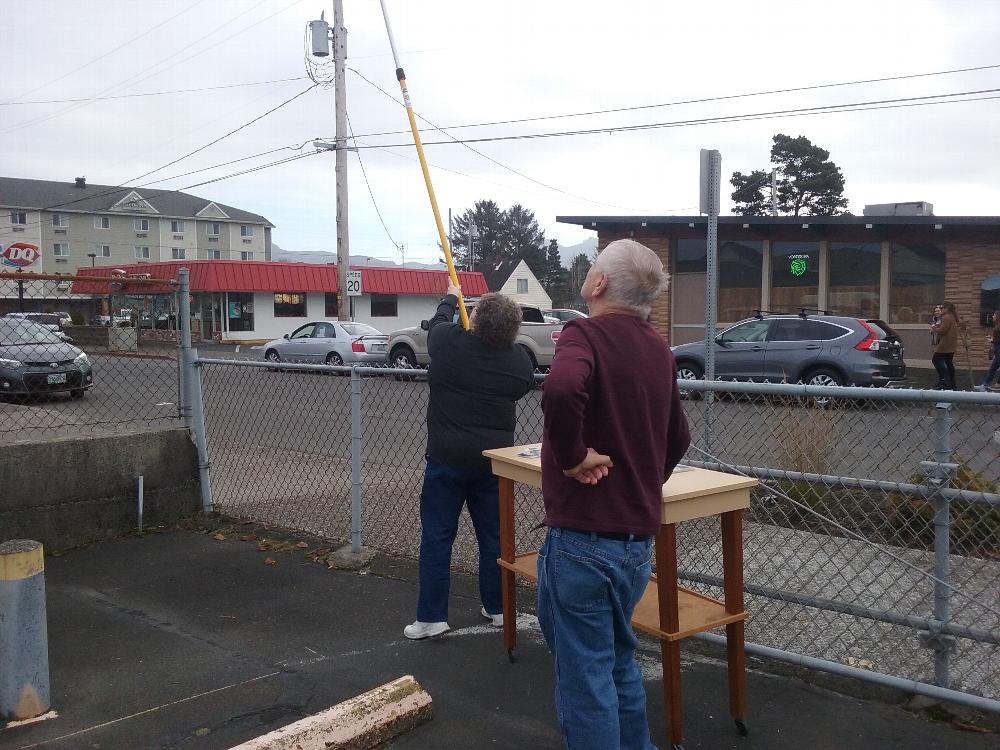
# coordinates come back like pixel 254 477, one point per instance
pixel 271 276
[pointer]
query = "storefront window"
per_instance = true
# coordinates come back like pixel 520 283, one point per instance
pixel 330 308
pixel 239 310
pixel 917 282
pixel 384 306
pixel 794 276
pixel 289 305
pixel 740 268
pixel 691 256
pixel 855 278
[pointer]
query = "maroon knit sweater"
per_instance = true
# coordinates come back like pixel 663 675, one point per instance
pixel 613 388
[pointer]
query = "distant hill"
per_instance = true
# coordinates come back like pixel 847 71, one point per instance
pixel 567 253
pixel 325 257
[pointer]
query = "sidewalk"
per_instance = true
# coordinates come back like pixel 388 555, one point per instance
pixel 178 640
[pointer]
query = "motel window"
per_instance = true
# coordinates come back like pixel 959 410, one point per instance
pixel 178 253
pixel 522 286
pixel 330 308
pixel 246 230
pixel 142 253
pixel 246 255
pixel 102 251
pixel 917 282
pixel 177 226
pixel 140 224
pixel 18 217
pixel 213 254
pixel 855 278
pixel 60 220
pixel 290 305
pixel 794 276
pixel 214 229
pixel 239 310
pixel 384 306
pixel 61 249
pixel 102 222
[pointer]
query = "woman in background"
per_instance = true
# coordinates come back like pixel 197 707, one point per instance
pixel 994 354
pixel 946 330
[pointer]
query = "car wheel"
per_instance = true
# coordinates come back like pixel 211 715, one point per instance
pixel 823 377
pixel 335 360
pixel 689 371
pixel 403 358
pixel 77 393
pixel 531 357
pixel 272 356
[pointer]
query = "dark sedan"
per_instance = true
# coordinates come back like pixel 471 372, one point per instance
pixel 34 360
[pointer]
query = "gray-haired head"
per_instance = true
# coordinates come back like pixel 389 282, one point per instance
pixel 635 275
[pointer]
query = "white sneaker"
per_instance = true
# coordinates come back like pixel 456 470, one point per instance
pixel 419 630
pixel 495 620
pixel 980 388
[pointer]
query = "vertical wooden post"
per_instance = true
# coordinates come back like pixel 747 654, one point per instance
pixel 507 547
pixel 670 651
pixel 732 572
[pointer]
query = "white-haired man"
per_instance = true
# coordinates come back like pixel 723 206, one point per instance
pixel 614 431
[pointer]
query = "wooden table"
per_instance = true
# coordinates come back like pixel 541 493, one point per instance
pixel 667 611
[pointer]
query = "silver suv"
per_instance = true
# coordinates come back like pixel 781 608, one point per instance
pixel 812 349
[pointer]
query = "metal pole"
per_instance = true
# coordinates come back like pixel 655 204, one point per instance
pixel 198 431
pixel 938 474
pixel 713 177
pixel 355 460
pixel 20 293
pixel 184 321
pixel 401 77
pixel 24 641
pixel 774 192
pixel 340 101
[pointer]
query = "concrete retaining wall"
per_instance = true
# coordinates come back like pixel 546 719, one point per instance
pixel 70 491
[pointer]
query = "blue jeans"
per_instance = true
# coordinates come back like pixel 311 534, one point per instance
pixel 587 589
pixel 446 489
pixel 993 370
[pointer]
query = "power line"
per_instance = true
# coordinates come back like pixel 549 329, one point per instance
pixel 157 93
pixel 136 78
pixel 368 184
pixel 78 68
pixel 694 101
pixel 915 101
pixel 494 161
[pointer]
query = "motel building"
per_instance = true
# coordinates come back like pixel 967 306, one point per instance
pixel 881 265
pixel 257 301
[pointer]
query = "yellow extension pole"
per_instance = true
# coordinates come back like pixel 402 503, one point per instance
pixel 401 77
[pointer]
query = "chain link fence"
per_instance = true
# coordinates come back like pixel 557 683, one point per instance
pixel 873 540
pixel 80 356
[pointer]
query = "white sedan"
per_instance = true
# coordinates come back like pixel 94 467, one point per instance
pixel 330 342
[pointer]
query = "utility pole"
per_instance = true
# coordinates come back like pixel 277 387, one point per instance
pixel 774 192
pixel 340 101
pixel 473 235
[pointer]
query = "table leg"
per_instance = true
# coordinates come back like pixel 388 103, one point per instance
pixel 670 651
pixel 507 547
pixel 732 571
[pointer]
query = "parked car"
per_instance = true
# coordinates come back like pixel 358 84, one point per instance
pixel 564 315
pixel 408 346
pixel 330 342
pixel 811 349
pixel 52 321
pixel 35 360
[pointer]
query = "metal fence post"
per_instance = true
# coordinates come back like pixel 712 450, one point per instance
pixel 193 406
pixel 939 472
pixel 355 461
pixel 24 643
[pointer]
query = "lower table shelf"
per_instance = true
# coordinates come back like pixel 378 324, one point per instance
pixel 697 613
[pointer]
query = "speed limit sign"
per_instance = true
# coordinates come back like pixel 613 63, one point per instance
pixel 354 283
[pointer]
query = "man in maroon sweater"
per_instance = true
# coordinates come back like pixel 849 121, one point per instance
pixel 614 431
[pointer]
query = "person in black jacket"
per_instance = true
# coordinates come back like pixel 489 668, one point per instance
pixel 476 378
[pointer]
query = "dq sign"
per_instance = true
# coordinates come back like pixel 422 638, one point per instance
pixel 20 255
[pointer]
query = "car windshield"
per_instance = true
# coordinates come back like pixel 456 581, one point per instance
pixel 21 333
pixel 43 318
pixel 360 329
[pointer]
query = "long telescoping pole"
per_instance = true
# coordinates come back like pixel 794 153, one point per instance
pixel 401 77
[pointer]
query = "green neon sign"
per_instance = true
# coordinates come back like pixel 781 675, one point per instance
pixel 798 264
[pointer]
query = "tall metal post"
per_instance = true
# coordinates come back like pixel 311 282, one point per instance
pixel 20 293
pixel 711 175
pixel 774 192
pixel 193 409
pixel 340 101
pixel 24 642
pixel 355 461
pixel 939 472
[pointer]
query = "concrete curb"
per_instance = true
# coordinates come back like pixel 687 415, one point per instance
pixel 366 721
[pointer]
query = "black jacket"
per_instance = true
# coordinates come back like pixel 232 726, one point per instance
pixel 473 392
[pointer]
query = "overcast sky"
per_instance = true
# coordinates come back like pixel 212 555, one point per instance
pixel 475 62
